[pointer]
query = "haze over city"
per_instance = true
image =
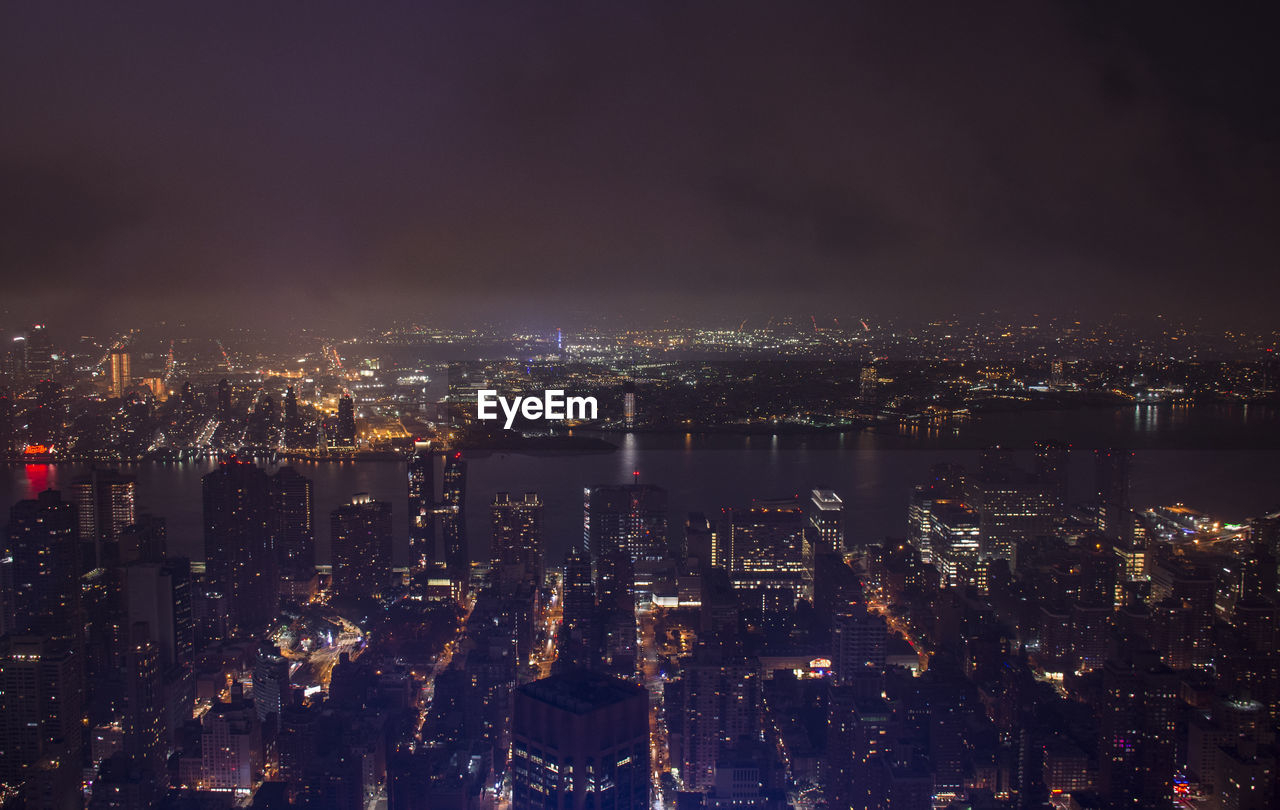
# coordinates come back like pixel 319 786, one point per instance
pixel 321 164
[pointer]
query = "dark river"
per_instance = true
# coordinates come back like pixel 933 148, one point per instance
pixel 1224 460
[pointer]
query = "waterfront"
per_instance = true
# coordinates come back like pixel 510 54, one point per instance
pixel 1223 460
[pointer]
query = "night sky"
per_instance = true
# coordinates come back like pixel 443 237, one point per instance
pixel 543 162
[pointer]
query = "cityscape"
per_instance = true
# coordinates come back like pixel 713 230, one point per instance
pixel 1020 638
pixel 507 405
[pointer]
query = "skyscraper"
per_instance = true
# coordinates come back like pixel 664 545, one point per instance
pixel 121 373
pixel 1137 731
pixel 292 531
pixel 453 515
pixel 41 712
pixel 422 481
pixel 768 551
pixel 516 548
pixel 580 740
pixel 826 516
pixel 1052 470
pixel 224 400
pixel 239 557
pixel 576 631
pixel 361 546
pixel 42 538
pixel 718 700
pixel 39 354
pixel 1112 469
pixel 346 433
pixel 106 503
pixel 631 518
pixel 8 433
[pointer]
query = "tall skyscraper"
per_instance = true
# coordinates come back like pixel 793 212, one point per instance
pixel 8 427
pixel 224 400
pixel 121 372
pixel 422 482
pixel 41 714
pixel 452 513
pixel 106 502
pixel 239 558
pixel 292 531
pixel 858 640
pixel 826 516
pixel 39 354
pixel 361 546
pixel 718 700
pixel 346 432
pixel 768 552
pixel 577 629
pixel 516 548
pixel 1112 470
pixel 629 404
pixel 43 541
pixel 1138 731
pixel 580 740
pixel 145 738
pixel 631 517
pixel 1053 470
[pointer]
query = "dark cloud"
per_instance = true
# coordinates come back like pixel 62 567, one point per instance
pixel 535 160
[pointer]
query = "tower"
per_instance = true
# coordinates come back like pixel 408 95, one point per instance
pixel 580 740
pixel 516 548
pixel 422 481
pixel 826 516
pixel 121 372
pixel 239 558
pixel 452 512
pixel 292 531
pixel 361 533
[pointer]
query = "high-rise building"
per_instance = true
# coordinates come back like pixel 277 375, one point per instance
pixel 516 548
pixel 858 639
pixel 956 542
pixel 145 737
pixel 106 503
pixel 121 372
pixel 346 429
pixel 42 539
pixel 39 354
pixel 270 684
pixel 1138 740
pixel 361 546
pixel 826 515
pixel 224 400
pixel 577 634
pixel 1052 470
pixel 452 514
pixel 632 518
pixel 718 702
pixel 580 740
pixel 1013 509
pixel 41 713
pixel 292 530
pixel 768 551
pixel 1112 469
pixel 240 561
pixel 8 427
pixel 230 745
pixel 629 404
pixel 422 482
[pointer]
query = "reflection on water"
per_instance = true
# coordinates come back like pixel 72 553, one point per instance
pixel 1219 459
